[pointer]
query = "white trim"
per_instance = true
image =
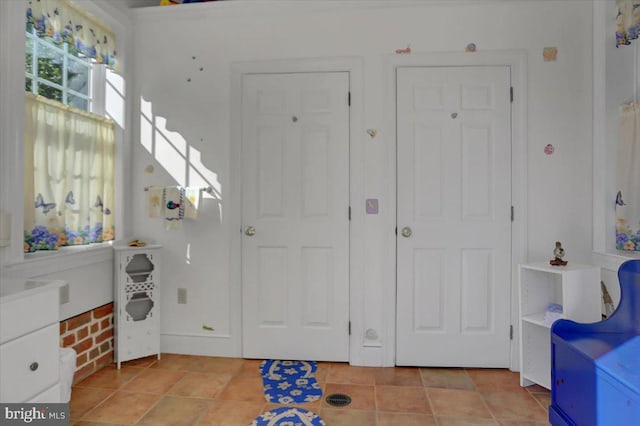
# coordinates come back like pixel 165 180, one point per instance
pixel 192 344
pixel 354 66
pixel 65 258
pixel 599 127
pixel 516 59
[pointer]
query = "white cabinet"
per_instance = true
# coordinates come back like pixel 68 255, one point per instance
pixel 137 302
pixel 575 287
pixel 29 340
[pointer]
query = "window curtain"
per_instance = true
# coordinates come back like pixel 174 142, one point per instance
pixel 68 174
pixel 627 21
pixel 628 180
pixel 65 23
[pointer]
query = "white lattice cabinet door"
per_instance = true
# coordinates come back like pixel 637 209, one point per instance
pixel 137 302
pixel 575 287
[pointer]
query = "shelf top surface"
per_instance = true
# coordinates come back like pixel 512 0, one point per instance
pixel 545 267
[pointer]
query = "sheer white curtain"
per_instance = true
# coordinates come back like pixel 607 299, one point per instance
pixel 628 179
pixel 69 176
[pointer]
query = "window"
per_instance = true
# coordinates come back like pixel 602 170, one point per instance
pixel 69 144
pixel 57 72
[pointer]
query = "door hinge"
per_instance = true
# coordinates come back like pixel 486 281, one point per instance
pixel 349 99
pixel 349 328
pixel 396 230
pixel 349 212
pixel 511 332
pixel 511 93
pixel 513 214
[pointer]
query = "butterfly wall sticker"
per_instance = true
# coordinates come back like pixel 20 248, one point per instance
pixel 46 207
pixel 619 201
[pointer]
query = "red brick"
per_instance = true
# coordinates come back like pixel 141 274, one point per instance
pixel 94 328
pixel 94 353
pixel 104 360
pixel 103 311
pixel 68 340
pixel 105 346
pixel 83 346
pixel 105 323
pixel 78 321
pixel 83 372
pixel 81 360
pixel 108 334
pixel 82 333
pixel 63 327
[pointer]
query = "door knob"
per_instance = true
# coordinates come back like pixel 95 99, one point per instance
pixel 406 232
pixel 250 231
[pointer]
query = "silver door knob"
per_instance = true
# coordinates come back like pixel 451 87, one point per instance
pixel 406 232
pixel 250 231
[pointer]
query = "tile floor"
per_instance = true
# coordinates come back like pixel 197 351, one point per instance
pixel 197 390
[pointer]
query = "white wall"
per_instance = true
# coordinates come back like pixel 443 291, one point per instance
pixel 195 117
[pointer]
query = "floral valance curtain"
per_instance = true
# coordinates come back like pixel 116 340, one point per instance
pixel 65 23
pixel 627 21
pixel 628 180
pixel 69 175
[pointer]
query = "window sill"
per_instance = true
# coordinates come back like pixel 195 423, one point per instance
pixel 46 262
pixel 613 260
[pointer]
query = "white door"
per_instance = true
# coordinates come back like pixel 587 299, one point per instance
pixel 295 206
pixel 454 216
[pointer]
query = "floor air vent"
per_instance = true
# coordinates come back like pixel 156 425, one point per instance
pixel 338 400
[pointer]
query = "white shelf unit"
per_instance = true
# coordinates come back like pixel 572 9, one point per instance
pixel 575 287
pixel 137 302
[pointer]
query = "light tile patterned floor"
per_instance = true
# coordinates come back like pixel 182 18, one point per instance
pixel 197 390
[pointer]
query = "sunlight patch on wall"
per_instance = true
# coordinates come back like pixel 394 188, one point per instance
pixel 170 151
pixel 146 126
pixel 114 97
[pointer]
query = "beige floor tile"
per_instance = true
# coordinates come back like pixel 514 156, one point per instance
pixel 346 374
pixel 490 379
pixel 397 376
pixel 123 408
pixel 231 413
pixel 244 389
pixel 447 378
pixel 173 362
pixel 207 364
pixel 362 396
pixel 175 411
pixel 521 423
pixel 464 421
pixel 457 403
pixel 509 405
pixel 110 377
pixel 249 368
pixel 198 385
pixel 154 381
pixel 410 399
pixel 405 419
pixel 543 399
pixel 141 362
pixel 343 417
pixel 85 399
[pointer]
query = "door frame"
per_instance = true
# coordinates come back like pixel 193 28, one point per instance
pixel 516 60
pixel 354 67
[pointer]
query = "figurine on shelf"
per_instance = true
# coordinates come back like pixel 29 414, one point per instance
pixel 558 254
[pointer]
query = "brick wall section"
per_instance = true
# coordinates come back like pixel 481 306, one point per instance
pixel 91 335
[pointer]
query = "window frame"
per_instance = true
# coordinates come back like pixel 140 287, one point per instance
pixel 67 58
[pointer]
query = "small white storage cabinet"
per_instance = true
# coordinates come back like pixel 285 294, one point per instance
pixel 575 287
pixel 136 302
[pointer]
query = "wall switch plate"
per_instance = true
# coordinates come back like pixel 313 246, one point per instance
pixel 182 296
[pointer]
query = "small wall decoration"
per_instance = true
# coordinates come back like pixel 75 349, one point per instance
pixel 372 133
pixel 471 48
pixel 406 50
pixel 372 206
pixel 148 169
pixel 549 149
pixel 558 254
pixel 549 54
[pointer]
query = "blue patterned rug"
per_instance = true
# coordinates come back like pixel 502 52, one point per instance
pixel 289 416
pixel 290 382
